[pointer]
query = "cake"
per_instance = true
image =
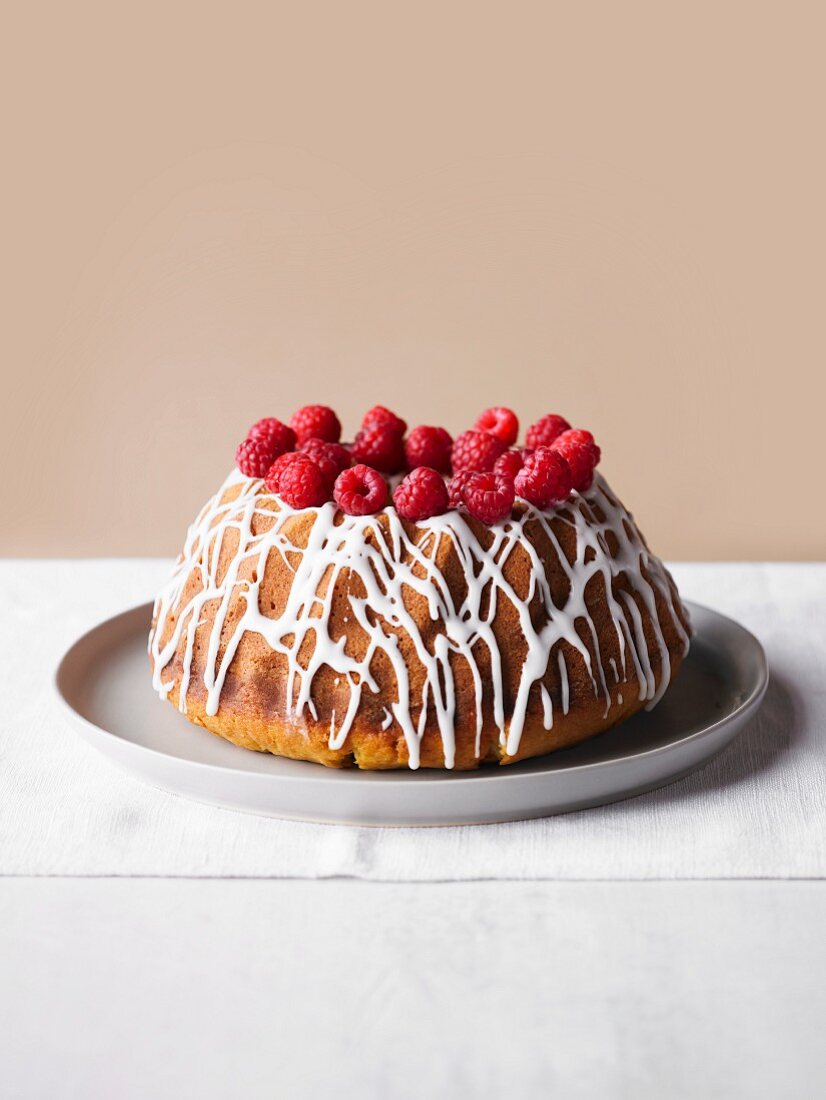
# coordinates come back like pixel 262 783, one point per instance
pixel 415 602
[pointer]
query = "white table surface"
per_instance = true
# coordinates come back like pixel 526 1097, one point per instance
pixel 157 974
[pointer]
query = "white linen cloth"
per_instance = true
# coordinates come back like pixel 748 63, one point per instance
pixel 757 811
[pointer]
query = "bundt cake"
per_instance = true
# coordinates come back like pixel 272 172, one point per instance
pixel 501 605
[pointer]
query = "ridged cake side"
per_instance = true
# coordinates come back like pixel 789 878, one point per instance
pixel 376 641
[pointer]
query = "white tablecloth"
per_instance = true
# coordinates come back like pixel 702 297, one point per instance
pixel 128 989
pixel 757 811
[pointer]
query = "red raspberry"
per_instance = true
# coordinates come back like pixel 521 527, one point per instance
pixel 255 456
pixel 281 437
pixel 499 422
pixel 545 479
pixel 545 431
pixel 301 484
pixel 380 417
pixel 380 447
pixel 274 473
pixel 360 491
pixel 456 488
pixel 510 463
pixel 422 494
pixel 331 458
pixel 426 446
pixel 475 450
pixel 316 422
pixel 582 454
pixel 489 497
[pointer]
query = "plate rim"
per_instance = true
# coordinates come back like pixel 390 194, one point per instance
pixel 423 775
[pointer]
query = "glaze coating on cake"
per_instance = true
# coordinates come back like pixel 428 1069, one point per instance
pixel 381 642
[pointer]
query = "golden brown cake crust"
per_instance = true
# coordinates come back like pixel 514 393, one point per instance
pixel 376 749
pixel 632 632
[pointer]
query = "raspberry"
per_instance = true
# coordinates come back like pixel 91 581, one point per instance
pixel 426 446
pixel 281 437
pixel 360 491
pixel 422 494
pixel 475 450
pixel 509 463
pixel 545 479
pixel 255 456
pixel 545 431
pixel 488 497
pixel 331 458
pixel 273 477
pixel 456 488
pixel 582 454
pixel 380 447
pixel 301 484
pixel 499 422
pixel 380 417
pixel 316 422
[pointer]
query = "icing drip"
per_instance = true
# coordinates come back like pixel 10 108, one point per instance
pixel 563 676
pixel 378 550
pixel 547 707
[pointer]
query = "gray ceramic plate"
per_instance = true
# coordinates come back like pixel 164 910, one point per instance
pixel 104 682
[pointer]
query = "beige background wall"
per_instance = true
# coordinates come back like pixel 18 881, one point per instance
pixel 610 210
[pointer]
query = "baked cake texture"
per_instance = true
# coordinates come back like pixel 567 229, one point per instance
pixel 443 642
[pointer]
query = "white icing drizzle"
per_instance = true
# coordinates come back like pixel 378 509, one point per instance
pixel 563 679
pixel 547 707
pixel 378 550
